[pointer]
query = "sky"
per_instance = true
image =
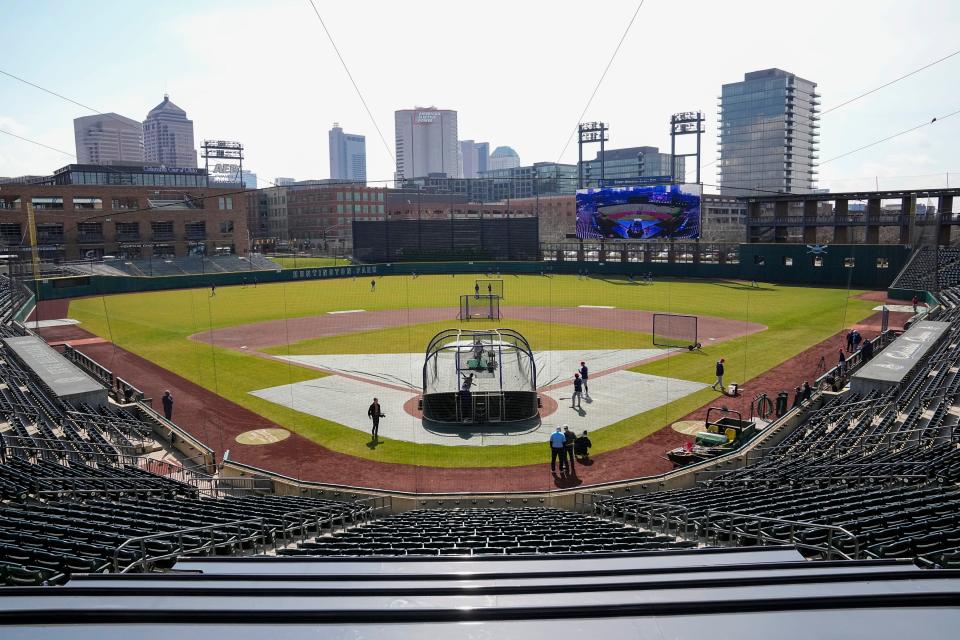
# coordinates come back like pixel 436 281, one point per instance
pixel 519 74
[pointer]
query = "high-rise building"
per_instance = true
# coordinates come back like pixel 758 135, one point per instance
pixel 348 156
pixel 427 142
pixel 632 162
pixel 540 178
pixel 106 138
pixel 504 158
pixel 249 179
pixel 768 134
pixel 168 136
pixel 474 157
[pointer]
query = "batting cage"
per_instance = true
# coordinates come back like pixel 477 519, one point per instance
pixel 479 377
pixel 673 330
pixel 483 306
pixel 490 287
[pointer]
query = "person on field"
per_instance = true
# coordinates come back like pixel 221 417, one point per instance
pixel 167 401
pixel 797 397
pixel 213 290
pixel 857 339
pixel 577 391
pixel 866 353
pixel 569 439
pixel 373 285
pixel 719 371
pixel 581 446
pixel 842 363
pixel 374 413
pixel 489 289
pixel 476 290
pixel 915 302
pixel 849 341
pixel 557 444
pixel 807 391
pixel 584 375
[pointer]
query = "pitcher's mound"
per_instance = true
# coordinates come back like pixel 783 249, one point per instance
pixel 263 436
pixel 688 427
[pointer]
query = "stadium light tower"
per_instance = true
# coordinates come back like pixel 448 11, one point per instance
pixel 587 133
pixel 685 123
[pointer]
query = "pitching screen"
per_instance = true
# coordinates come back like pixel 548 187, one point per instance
pixel 672 330
pixel 641 212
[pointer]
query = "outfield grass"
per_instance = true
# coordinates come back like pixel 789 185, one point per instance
pixel 156 326
pixel 308 262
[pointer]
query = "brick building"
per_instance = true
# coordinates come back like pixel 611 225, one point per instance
pixel 145 212
pixel 322 215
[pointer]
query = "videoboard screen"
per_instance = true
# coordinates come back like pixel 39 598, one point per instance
pixel 639 212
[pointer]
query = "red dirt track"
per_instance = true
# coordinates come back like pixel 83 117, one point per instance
pixel 217 421
pixel 261 335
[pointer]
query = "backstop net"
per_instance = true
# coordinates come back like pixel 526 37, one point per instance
pixel 489 287
pixel 673 330
pixel 478 307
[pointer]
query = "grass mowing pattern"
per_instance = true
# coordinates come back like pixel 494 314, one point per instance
pixel 156 326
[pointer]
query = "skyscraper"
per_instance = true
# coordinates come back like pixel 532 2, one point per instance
pixel 107 138
pixel 348 156
pixel 249 179
pixel 504 158
pixel 768 134
pixel 168 136
pixel 427 142
pixel 474 157
pixel 632 162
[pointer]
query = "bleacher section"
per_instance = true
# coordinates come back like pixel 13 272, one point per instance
pixel 930 270
pixel 466 532
pixel 73 491
pixel 188 265
pixel 862 476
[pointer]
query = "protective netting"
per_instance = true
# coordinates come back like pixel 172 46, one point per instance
pixel 673 330
pixel 476 307
pixel 497 360
pixel 489 287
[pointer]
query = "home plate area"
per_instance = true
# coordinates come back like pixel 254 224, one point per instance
pixel 396 380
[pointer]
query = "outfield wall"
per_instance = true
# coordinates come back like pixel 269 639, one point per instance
pixel 833 265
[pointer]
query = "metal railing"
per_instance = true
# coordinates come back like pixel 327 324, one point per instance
pixel 738 527
pixel 258 534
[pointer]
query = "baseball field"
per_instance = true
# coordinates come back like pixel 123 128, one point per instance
pixel 269 349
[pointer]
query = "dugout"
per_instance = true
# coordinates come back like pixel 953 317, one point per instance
pixel 479 377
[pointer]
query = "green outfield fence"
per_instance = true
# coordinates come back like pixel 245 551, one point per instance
pixel 859 266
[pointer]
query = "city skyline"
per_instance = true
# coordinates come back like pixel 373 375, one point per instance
pixel 535 120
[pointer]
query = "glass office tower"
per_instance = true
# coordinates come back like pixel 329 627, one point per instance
pixel 768 134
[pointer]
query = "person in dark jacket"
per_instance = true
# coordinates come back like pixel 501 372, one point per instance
pixel 581 446
pixel 585 375
pixel 569 437
pixel 719 372
pixel 577 391
pixel 167 401
pixel 374 413
pixel 807 391
pixel 797 397
pixel 866 352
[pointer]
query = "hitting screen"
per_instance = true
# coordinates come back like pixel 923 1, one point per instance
pixel 640 213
